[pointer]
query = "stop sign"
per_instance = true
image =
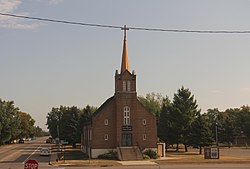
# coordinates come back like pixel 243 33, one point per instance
pixel 31 164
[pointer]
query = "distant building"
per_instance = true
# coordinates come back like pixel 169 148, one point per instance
pixel 121 123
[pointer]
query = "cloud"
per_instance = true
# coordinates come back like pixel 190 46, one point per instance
pixel 11 6
pixel 55 2
pixel 15 24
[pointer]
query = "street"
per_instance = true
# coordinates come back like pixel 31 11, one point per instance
pixel 174 166
pixel 190 166
pixel 14 155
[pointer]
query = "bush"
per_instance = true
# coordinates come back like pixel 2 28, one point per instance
pixel 111 155
pixel 146 157
pixel 151 154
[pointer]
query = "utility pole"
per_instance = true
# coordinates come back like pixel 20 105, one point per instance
pixel 216 134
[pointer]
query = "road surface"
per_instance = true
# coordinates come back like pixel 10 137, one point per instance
pixel 13 156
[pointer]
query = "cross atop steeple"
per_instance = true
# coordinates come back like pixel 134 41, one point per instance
pixel 125 64
pixel 125 29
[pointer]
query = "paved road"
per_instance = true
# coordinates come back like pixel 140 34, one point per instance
pixel 172 166
pixel 14 156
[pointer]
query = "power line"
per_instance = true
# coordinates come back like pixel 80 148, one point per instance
pixel 131 28
pixel 60 21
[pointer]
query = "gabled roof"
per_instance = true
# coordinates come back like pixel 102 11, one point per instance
pixel 145 107
pixel 102 106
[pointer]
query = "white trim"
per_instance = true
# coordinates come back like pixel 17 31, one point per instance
pixel 106 137
pixel 106 122
pixel 126 115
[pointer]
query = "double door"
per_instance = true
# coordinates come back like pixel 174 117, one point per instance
pixel 127 139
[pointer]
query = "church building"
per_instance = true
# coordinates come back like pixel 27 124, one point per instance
pixel 121 123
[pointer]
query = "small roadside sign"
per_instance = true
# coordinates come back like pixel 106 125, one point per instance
pixel 31 164
pixel 214 153
pixel 211 153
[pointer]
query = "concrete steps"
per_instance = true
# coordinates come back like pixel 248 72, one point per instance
pixel 129 153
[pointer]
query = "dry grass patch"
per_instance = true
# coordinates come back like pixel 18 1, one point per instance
pixel 92 162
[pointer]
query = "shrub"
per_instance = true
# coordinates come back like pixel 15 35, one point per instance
pixel 111 155
pixel 151 154
pixel 146 157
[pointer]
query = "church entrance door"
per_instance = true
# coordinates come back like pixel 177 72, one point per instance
pixel 126 139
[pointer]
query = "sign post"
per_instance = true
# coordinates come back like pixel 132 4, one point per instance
pixel 31 164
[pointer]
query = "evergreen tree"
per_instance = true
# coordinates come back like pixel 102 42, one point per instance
pixel 226 130
pixel 183 114
pixel 201 135
pixel 169 129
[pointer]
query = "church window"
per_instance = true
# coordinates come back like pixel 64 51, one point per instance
pixel 106 122
pixel 106 137
pixel 124 86
pixel 126 115
pixel 144 122
pixel 144 137
pixel 128 85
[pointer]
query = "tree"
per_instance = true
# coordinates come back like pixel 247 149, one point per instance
pixel 184 110
pixel 14 124
pixel 27 128
pixel 243 119
pixel 227 128
pixel 9 122
pixel 224 124
pixel 39 132
pixel 66 122
pixel 201 134
pixel 53 119
pixel 153 102
pixel 212 117
pixel 85 116
pixel 169 129
pixel 246 127
pixel 69 122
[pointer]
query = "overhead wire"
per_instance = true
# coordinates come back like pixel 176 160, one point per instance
pixel 131 28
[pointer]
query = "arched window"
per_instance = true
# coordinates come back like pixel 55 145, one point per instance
pixel 106 122
pixel 106 137
pixel 124 86
pixel 128 86
pixel 126 115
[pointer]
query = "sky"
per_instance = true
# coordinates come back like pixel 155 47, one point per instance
pixel 45 65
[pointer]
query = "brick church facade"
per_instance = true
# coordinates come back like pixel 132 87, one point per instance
pixel 121 121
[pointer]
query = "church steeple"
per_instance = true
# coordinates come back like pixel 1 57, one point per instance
pixel 125 81
pixel 125 64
